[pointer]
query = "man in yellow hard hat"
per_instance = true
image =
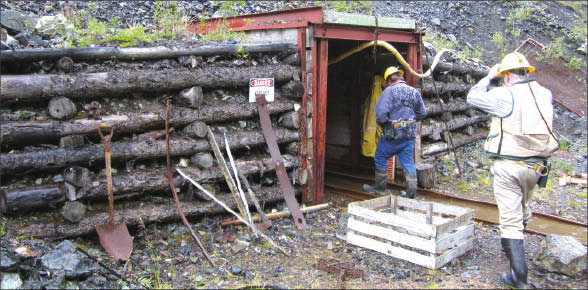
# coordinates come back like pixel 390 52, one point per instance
pixel 519 141
pixel 397 109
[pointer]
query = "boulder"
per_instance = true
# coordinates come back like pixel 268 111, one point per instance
pixel 66 258
pixel 50 25
pixel 17 22
pixel 11 281
pixel 562 254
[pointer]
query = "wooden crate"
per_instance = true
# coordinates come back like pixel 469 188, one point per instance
pixel 425 233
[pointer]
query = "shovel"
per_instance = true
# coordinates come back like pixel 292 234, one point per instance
pixel 114 238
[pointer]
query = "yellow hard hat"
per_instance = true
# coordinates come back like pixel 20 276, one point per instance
pixel 392 70
pixel 514 60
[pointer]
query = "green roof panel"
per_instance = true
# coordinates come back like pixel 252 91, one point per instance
pixel 333 17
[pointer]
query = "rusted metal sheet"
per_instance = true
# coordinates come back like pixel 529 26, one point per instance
pixel 285 185
pixel 361 33
pixel 319 120
pixel 275 19
pixel 343 269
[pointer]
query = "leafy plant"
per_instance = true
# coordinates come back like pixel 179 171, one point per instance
pixel 563 165
pixel 222 32
pixel 349 6
pixel 154 259
pixel 576 63
pixel 3 227
pixel 170 20
pixel 500 42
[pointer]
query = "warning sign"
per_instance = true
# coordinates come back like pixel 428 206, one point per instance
pixel 261 85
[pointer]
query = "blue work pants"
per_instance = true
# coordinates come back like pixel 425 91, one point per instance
pixel 388 148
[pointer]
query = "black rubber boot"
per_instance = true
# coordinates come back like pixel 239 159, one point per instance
pixel 515 252
pixel 381 186
pixel 411 186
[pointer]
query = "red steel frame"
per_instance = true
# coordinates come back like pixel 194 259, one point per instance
pixel 303 18
pixel 298 17
pixel 319 89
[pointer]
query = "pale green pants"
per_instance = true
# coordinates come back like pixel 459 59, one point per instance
pixel 513 188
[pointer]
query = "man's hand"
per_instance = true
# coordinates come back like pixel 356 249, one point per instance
pixel 493 73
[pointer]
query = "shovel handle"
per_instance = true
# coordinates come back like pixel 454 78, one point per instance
pixel 108 169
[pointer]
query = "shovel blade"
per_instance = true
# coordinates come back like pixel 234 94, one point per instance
pixel 116 240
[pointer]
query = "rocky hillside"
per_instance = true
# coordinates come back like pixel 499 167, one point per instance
pixel 481 29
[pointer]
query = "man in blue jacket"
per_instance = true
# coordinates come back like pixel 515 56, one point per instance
pixel 397 110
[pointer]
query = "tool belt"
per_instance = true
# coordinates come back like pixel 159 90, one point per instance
pixel 402 123
pixel 388 128
pixel 539 166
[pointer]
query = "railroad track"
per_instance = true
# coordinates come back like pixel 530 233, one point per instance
pixel 349 184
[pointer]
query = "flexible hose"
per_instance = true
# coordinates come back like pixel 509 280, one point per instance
pixel 399 57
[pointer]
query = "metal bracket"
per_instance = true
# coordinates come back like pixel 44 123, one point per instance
pixel 285 185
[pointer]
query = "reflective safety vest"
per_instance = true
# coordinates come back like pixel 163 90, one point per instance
pixel 523 133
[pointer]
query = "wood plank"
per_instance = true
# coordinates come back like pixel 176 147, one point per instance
pixel 394 220
pixel 460 221
pixel 390 234
pixel 421 218
pixel 454 253
pixel 451 240
pixel 393 251
pixel 438 208
pixel 429 214
pixel 334 17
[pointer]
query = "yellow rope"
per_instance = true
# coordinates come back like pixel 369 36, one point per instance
pixel 399 57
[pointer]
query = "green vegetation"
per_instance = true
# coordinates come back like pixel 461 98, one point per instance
pixel 147 279
pixel 349 6
pixel 583 194
pixel 168 17
pixel 564 145
pixel 222 32
pixel 502 43
pixel 3 227
pixel 563 165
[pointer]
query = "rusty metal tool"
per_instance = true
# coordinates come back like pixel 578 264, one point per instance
pixel 170 179
pixel 343 269
pixel 285 185
pixel 114 238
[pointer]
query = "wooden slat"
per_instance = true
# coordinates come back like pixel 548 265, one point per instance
pixel 421 218
pixel 450 226
pixel 429 214
pixel 453 253
pixel 389 219
pixel 438 208
pixel 451 240
pixel 391 235
pixel 393 251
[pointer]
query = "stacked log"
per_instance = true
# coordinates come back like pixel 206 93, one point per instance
pixel 66 145
pixel 447 109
